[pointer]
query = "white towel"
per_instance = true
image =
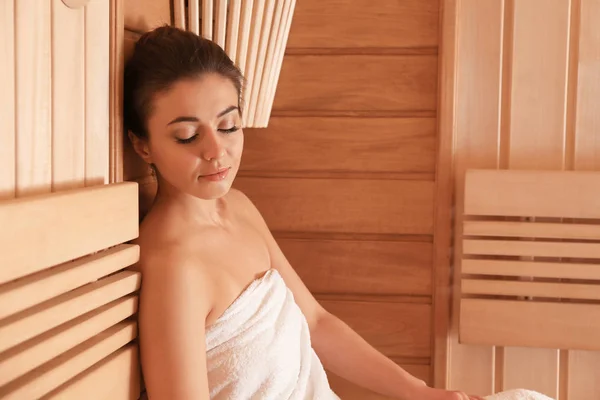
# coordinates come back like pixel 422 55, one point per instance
pixel 518 394
pixel 260 348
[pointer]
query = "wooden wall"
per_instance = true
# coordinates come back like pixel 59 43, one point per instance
pixel 526 96
pixel 54 103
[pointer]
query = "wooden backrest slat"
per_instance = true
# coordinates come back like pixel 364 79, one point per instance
pixel 530 248
pixel 488 287
pixel 532 230
pixel 532 269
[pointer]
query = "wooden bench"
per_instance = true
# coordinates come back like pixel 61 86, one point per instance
pixel 67 301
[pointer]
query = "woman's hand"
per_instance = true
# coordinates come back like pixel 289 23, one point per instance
pixel 427 393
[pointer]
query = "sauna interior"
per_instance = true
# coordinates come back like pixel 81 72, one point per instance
pixel 431 169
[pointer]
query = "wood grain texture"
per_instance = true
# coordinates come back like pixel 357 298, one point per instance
pixel 584 375
pixel 361 267
pixel 360 23
pixel 115 139
pixel 329 205
pixel 356 82
pixel 33 97
pixel 144 15
pixel 7 100
pixel 395 329
pixel 68 97
pixel 358 145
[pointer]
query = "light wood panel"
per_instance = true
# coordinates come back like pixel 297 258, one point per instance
pixel 361 267
pixel 116 65
pixel 143 15
pixel 7 100
pixel 531 269
pixel 347 205
pixel 357 82
pixel 305 144
pixel 536 289
pixel 584 375
pixel 33 97
pixel 532 230
pixel 531 249
pixel 358 23
pixel 395 329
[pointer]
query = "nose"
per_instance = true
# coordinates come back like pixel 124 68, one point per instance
pixel 211 146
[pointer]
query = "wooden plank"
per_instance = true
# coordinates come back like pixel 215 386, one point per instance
pixel 7 100
pixel 244 38
pixel 361 267
pixel 111 210
pixel 68 97
pixel 348 391
pixel 143 15
pixel 348 205
pixel 30 355
pixel 252 54
pixel 179 13
pixel 357 82
pixel 519 323
pixel 97 92
pixel 233 26
pixel 357 23
pixel 533 289
pixel 58 371
pixel 21 327
pixel 532 230
pixel 378 323
pixel 116 377
pixel 221 22
pixel 531 249
pixel 566 194
pixel 194 16
pixel 531 269
pixel 33 97
pixel 117 61
pixel 584 375
pixel 540 72
pixel 18 295
pixel 207 19
pixel 519 378
pixel 341 145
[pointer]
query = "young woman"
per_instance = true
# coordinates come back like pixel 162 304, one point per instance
pixel 223 315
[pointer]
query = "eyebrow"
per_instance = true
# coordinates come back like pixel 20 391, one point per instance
pixel 186 118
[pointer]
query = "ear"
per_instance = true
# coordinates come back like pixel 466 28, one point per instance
pixel 141 147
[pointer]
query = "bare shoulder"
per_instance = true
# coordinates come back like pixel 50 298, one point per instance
pixel 245 206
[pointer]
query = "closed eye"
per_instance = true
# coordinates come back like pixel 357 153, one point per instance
pixel 188 140
pixel 230 130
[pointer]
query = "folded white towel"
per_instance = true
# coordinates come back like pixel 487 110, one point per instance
pixel 260 348
pixel 518 394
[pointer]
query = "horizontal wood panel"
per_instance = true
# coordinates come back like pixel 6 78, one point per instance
pixel 330 205
pixel 143 15
pixel 109 210
pixel 357 82
pixel 362 23
pixel 534 289
pixel 395 329
pixel 361 267
pixel 358 145
pixel 530 324
pixel 531 269
pixel 532 230
pixel 348 391
pixel 559 194
pixel 531 248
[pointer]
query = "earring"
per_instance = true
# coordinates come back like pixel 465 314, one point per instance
pixel 152 170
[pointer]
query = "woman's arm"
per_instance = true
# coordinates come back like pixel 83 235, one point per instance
pixel 173 308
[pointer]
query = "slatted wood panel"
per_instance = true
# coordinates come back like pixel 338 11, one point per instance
pixel 72 310
pixel 141 15
pixel 7 100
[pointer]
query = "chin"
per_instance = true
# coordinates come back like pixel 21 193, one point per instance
pixel 212 191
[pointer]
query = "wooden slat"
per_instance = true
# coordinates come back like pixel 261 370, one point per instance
pixel 531 269
pixel 194 16
pixel 21 327
pixel 531 249
pixel 333 205
pixel 544 380
pixel 179 13
pixel 221 22
pixel 207 19
pixel 30 355
pixel 357 82
pixel 244 35
pixel 534 289
pixel 361 267
pixel 117 62
pixel 358 23
pixel 7 100
pixel 143 15
pixel 379 324
pixel 566 194
pixel 33 97
pixel 253 50
pixel 530 323
pixel 340 144
pixel 110 210
pixel 233 26
pixel 584 375
pixel 23 293
pixel 97 87
pixel 117 377
pixel 532 230
pixel 58 371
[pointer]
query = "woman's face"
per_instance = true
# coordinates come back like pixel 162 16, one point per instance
pixel 195 136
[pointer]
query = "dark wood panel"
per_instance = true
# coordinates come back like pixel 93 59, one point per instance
pixel 361 267
pixel 355 82
pixel 395 329
pixel 143 15
pixel 342 205
pixel 365 23
pixel 343 145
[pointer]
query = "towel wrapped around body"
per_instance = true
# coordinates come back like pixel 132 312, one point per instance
pixel 518 394
pixel 260 348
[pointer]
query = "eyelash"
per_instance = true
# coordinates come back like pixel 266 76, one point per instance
pixel 192 138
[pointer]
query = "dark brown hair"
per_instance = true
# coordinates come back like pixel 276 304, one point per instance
pixel 162 57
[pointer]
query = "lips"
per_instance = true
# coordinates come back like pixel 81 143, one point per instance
pixel 216 176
